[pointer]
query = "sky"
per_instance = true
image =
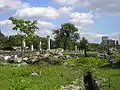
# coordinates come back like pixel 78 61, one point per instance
pixel 93 18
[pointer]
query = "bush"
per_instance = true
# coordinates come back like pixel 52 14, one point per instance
pixel 91 61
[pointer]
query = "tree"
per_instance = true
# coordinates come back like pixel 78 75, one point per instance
pixel 66 35
pixel 84 45
pixel 28 28
pixel 93 46
pixel 14 40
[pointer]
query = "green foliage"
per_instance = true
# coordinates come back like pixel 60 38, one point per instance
pixel 93 46
pixel 91 61
pixel 27 27
pixel 66 35
pixel 2 39
pixel 108 78
pixel 51 78
pixel 118 57
pixel 84 45
pixel 14 40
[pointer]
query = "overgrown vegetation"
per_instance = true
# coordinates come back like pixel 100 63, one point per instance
pixel 53 76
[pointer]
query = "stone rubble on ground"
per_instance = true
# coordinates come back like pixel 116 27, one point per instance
pixel 78 84
pixel 21 64
pixel 30 58
pixel 6 57
pixel 46 55
pixel 14 59
pixel 25 59
pixel 36 73
pixel 70 87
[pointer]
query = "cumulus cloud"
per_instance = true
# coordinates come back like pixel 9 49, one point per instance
pixel 42 24
pixel 45 25
pixel 9 33
pixel 96 6
pixel 66 2
pixel 64 11
pixel 10 4
pixel 45 29
pixel 42 12
pixel 5 23
pixel 37 12
pixel 81 18
pixel 45 33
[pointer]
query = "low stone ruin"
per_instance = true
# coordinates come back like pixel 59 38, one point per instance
pixel 58 51
pixel 11 59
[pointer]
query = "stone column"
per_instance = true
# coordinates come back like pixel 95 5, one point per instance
pixel 40 46
pixel 48 39
pixel 23 44
pixel 32 48
pixel 75 48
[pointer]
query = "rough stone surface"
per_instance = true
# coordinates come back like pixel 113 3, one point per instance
pixel 70 87
pixel 15 59
pixel 21 64
pixel 46 55
pixel 36 73
pixel 31 60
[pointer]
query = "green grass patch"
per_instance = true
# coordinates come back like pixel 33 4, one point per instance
pixel 53 76
pixel 13 78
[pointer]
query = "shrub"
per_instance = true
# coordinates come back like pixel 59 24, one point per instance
pixel 91 61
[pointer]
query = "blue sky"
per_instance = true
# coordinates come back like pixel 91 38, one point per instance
pixel 94 18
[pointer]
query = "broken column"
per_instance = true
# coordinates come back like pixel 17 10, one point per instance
pixel 48 39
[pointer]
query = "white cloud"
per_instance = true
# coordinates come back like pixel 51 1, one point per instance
pixel 104 6
pixel 45 33
pixel 37 12
pixel 45 29
pixel 5 23
pixel 41 24
pixel 81 19
pixel 45 25
pixel 96 6
pixel 66 2
pixel 42 12
pixel 10 4
pixel 9 33
pixel 64 11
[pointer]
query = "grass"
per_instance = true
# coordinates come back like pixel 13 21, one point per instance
pixel 110 78
pixel 53 76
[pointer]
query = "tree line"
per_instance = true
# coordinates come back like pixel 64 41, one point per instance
pixel 66 37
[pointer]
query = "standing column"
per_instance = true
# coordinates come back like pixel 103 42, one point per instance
pixel 23 44
pixel 48 38
pixel 75 48
pixel 32 48
pixel 40 46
